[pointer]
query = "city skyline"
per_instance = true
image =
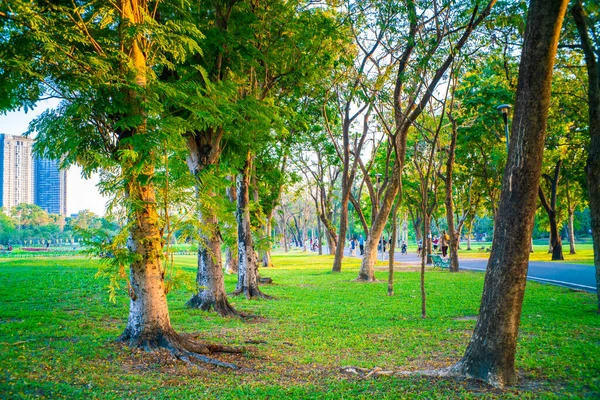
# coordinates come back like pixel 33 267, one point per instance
pixel 86 196
pixel 28 179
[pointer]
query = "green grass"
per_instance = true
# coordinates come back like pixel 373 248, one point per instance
pixel 57 333
pixel 584 253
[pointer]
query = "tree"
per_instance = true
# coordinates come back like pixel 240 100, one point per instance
pixel 490 355
pixel 423 60
pixel 588 29
pixel 550 207
pixel 100 60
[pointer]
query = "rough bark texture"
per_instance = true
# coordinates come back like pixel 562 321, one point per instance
pixel 148 325
pixel 490 355
pixel 209 278
pixel 593 162
pixel 247 261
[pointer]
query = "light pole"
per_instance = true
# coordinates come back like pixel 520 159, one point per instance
pixel 503 110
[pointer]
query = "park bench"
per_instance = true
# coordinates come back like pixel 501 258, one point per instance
pixel 439 262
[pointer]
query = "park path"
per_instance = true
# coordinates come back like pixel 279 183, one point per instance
pixel 574 276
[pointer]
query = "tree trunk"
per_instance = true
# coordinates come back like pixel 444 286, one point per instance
pixel 593 162
pixel 247 262
pixel 203 151
pixel 231 260
pixel 393 249
pixel 452 233
pixel 490 355
pixel 556 244
pixel 320 236
pixel 555 239
pixel 367 267
pixel 209 278
pixel 267 261
pixel 571 232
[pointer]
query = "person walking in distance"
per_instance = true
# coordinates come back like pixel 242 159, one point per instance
pixel 361 245
pixel 444 243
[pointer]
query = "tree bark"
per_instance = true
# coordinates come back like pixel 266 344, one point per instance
pixel 571 232
pixel 490 355
pixel 204 148
pixel 247 261
pixel 209 279
pixel 452 233
pixel 593 161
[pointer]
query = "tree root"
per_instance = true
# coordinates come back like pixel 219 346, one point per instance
pixel 221 307
pixel 251 293
pixel 181 347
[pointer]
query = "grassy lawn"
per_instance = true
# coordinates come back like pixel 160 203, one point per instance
pixel 57 332
pixel 584 252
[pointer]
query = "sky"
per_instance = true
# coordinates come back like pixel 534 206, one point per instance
pixel 81 194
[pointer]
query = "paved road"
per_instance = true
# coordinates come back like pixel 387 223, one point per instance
pixel 574 276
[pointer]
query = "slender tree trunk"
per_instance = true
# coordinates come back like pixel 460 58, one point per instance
pixel 556 240
pixel 367 267
pixel 452 233
pixel 267 261
pixel 247 262
pixel 341 242
pixel 571 232
pixel 231 260
pixel 393 249
pixel 320 237
pixel 490 355
pixel 593 162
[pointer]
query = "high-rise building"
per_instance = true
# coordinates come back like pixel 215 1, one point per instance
pixel 50 186
pixel 16 170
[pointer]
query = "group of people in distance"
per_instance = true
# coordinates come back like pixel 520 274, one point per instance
pixel 440 242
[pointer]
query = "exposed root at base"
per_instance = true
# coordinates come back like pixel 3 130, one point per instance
pixel 251 293
pixel 368 280
pixel 221 307
pixel 181 347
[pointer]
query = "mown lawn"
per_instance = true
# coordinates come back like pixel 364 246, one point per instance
pixel 57 332
pixel 584 253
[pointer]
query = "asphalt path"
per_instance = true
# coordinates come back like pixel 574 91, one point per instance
pixel 573 276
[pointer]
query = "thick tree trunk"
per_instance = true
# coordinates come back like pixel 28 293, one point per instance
pixel 593 162
pixel 148 325
pixel 247 262
pixel 209 278
pixel 490 355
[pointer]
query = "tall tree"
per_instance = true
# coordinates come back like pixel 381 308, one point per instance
pixel 589 33
pixel 490 355
pixel 99 59
pixel 423 63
